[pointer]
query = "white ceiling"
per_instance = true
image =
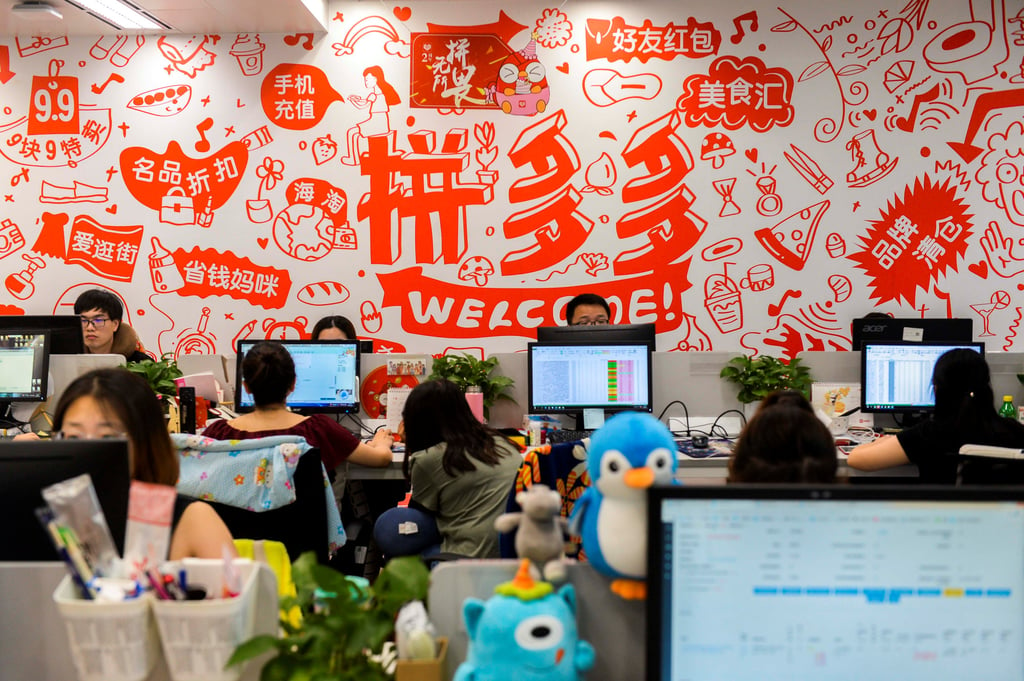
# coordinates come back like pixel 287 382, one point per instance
pixel 184 16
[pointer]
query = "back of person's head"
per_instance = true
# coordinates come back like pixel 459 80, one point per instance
pixel 98 299
pixel 128 397
pixel 437 411
pixel 790 397
pixel 585 299
pixel 784 442
pixel 334 322
pixel 962 382
pixel 269 373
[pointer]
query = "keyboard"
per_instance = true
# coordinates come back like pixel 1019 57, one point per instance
pixel 557 436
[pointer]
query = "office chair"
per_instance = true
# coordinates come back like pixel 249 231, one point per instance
pixel 989 465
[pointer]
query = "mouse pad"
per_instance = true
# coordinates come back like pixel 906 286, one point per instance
pixel 718 448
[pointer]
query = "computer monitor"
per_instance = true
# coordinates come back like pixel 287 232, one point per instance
pixel 568 378
pixel 26 467
pixel 635 333
pixel 65 330
pixel 826 583
pixel 326 376
pixel 896 377
pixel 24 367
pixel 911 329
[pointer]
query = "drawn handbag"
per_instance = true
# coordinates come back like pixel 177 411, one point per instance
pixel 176 208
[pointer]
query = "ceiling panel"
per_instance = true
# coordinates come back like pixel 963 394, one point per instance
pixel 185 16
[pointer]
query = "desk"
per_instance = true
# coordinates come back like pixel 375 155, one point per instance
pixel 708 470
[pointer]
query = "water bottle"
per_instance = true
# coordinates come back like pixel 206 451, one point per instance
pixel 475 397
pixel 1008 410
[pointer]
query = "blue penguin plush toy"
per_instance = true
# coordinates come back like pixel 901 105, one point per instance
pixel 631 452
pixel 526 631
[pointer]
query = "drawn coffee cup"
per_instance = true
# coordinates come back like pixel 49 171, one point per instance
pixel 759 278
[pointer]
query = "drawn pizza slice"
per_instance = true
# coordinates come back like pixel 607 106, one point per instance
pixel 790 241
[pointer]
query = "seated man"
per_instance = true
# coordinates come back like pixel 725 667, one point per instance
pixel 588 309
pixel 103 332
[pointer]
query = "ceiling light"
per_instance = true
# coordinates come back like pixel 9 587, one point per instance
pixel 36 11
pixel 119 14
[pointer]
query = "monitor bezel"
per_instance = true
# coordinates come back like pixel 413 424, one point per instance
pixel 892 329
pixel 657 600
pixel 905 409
pixel 41 368
pixel 646 333
pixel 346 408
pixel 22 538
pixel 576 410
pixel 65 330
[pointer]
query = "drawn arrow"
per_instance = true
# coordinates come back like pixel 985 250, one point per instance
pixel 5 64
pixel 986 104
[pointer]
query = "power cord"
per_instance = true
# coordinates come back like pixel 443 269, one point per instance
pixel 685 411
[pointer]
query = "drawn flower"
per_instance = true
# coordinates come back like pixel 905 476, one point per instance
pixel 269 172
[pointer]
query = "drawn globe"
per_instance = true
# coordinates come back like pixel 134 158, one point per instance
pixel 304 232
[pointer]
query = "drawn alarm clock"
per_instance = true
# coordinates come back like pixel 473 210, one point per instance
pixel 197 342
pixel 295 330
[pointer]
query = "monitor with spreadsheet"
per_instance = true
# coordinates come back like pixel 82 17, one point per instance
pixel 896 377
pixel 569 377
pixel 326 376
pixel 24 365
pixel 827 583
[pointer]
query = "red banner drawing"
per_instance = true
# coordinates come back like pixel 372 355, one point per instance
pixel 107 250
pixel 207 272
pixel 615 40
pixel 738 92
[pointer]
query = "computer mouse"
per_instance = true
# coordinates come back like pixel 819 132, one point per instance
pixel 699 441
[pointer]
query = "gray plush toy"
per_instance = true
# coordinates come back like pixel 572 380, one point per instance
pixel 541 536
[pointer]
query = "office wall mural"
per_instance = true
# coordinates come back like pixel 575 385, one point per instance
pixel 748 176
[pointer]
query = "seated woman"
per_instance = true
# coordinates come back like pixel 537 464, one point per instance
pixel 334 327
pixel 964 413
pixel 268 374
pixel 784 442
pixel 117 403
pixel 460 469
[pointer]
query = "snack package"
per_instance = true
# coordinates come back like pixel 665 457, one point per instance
pixel 82 525
pixel 148 533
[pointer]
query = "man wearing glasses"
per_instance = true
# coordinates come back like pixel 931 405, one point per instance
pixel 103 332
pixel 588 309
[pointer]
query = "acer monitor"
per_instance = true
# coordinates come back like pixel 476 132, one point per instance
pixel 896 377
pixel 911 330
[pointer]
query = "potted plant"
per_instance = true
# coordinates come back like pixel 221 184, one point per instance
pixel 159 374
pixel 465 371
pixel 343 625
pixel 759 376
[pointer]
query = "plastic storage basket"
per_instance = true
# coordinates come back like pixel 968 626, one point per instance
pixel 199 636
pixel 108 641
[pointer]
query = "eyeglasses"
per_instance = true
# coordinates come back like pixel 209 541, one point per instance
pixel 96 322
pixel 61 435
pixel 600 321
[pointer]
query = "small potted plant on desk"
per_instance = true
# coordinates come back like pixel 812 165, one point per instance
pixel 467 371
pixel 762 375
pixel 344 624
pixel 160 375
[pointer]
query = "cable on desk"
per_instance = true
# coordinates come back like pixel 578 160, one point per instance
pixel 743 422
pixel 363 428
pixel 685 411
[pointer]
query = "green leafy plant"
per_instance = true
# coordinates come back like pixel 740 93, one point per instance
pixel 159 374
pixel 762 375
pixel 343 626
pixel 466 370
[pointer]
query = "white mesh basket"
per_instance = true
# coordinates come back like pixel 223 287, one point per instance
pixel 108 641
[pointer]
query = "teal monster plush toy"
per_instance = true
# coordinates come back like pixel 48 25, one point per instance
pixel 526 631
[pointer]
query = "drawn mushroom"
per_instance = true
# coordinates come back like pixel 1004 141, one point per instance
pixel 715 148
pixel 477 268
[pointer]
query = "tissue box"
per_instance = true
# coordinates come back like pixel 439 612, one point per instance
pixel 424 670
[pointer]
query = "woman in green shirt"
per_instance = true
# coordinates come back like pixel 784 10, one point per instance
pixel 461 470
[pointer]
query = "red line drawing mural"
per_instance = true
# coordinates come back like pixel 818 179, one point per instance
pixel 1000 300
pixel 119 49
pixel 39 44
pixel 738 92
pixel 315 221
pixel 1005 257
pixel 323 293
pixel 297 96
pixel 919 237
pixel 372 26
pixel 187 55
pixel 11 238
pixel 381 98
pixel 723 301
pixel 605 87
pixel 270 173
pixel 615 40
pixel 522 85
pixel 1002 170
pixel 19 284
pixel 870 164
pixel 791 240
pixel 975 49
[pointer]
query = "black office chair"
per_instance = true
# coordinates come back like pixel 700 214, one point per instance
pixel 990 466
pixel 301 526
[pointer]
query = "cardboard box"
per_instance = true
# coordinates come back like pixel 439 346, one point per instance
pixel 424 670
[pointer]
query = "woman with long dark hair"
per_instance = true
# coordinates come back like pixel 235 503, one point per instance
pixel 117 403
pixel 964 413
pixel 460 469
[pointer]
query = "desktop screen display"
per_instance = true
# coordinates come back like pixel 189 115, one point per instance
pixel 24 365
pixel 326 376
pixel 599 333
pixel 27 467
pixel 569 377
pixel 65 330
pixel 897 377
pixel 810 583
